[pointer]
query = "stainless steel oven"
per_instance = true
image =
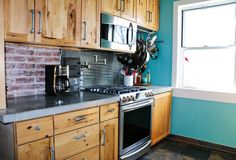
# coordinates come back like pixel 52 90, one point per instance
pixel 118 33
pixel 135 128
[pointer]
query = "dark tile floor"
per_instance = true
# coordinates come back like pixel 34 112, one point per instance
pixel 172 150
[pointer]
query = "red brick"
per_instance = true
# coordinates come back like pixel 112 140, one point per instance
pixel 52 60
pixel 24 80
pixel 40 79
pixel 35 86
pixel 15 59
pixel 43 52
pixel 36 59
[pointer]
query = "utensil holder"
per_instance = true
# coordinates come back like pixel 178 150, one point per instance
pixel 128 80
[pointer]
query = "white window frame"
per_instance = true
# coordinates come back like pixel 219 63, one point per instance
pixel 177 69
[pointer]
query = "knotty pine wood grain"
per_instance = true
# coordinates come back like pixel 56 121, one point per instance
pixel 2 59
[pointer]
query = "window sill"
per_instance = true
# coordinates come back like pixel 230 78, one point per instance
pixel 205 95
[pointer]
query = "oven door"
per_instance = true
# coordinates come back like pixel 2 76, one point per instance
pixel 135 127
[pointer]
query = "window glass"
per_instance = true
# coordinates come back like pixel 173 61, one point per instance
pixel 211 26
pixel 209 69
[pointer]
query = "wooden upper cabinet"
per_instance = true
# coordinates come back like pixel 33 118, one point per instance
pixel 38 150
pixel 19 20
pixel 111 7
pixel 128 9
pixel 90 25
pixel 148 14
pixel 154 14
pixel 121 8
pixel 109 140
pixel 142 12
pixel 161 116
pixel 57 22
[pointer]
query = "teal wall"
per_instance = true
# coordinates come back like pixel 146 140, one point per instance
pixel 204 120
pixel 161 69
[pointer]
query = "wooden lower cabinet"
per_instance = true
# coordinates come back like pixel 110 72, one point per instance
pixel 74 142
pixel 38 150
pixel 109 140
pixel 91 154
pixel 161 116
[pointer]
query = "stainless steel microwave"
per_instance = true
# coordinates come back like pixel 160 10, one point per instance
pixel 118 33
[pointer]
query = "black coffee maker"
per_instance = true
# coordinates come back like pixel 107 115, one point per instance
pixel 57 79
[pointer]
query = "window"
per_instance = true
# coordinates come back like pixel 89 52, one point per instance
pixel 205 47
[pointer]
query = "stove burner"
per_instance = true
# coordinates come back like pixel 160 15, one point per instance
pixel 113 90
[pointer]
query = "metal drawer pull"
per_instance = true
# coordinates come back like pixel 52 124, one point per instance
pixel 52 153
pixel 85 30
pixel 37 128
pixel 80 118
pixel 150 16
pixel 103 137
pixel 40 22
pixel 79 137
pixel 32 29
pixel 111 110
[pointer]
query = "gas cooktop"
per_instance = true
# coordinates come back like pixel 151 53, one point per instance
pixel 113 90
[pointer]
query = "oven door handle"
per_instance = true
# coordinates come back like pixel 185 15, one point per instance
pixel 131 107
pixel 133 153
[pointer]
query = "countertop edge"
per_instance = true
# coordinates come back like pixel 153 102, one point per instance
pixel 27 115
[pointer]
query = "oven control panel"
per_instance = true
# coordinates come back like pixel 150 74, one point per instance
pixel 136 96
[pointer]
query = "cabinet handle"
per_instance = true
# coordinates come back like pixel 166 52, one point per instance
pixel 111 110
pixel 85 30
pixel 79 137
pixel 40 22
pixel 80 118
pixel 150 16
pixel 37 128
pixel 52 153
pixel 32 16
pixel 123 6
pixel 103 137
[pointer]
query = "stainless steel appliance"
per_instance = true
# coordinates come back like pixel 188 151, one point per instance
pixel 118 33
pixel 135 118
pixel 56 79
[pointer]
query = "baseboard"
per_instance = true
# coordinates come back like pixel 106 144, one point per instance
pixel 202 143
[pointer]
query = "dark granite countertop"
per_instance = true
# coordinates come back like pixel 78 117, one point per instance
pixel 30 107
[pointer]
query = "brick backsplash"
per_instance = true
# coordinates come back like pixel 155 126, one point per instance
pixel 25 69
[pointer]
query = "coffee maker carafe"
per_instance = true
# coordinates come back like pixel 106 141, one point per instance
pixel 57 79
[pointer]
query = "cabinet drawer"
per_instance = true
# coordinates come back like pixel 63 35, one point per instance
pixel 74 120
pixel 72 143
pixel 92 154
pixel 32 130
pixel 109 111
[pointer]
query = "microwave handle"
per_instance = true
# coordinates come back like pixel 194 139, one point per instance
pixel 131 28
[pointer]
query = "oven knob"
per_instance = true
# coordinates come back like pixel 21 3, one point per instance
pixel 149 94
pixel 123 99
pixel 128 98
pixel 152 93
pixel 146 94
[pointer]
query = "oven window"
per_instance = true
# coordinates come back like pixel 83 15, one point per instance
pixel 136 125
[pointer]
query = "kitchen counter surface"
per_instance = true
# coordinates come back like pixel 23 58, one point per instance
pixel 159 89
pixel 30 107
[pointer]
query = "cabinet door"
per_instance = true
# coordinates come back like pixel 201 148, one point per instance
pixel 142 13
pixel 38 150
pixel 19 20
pixel 161 117
pixel 111 7
pixel 90 24
pixel 128 9
pixel 91 154
pixel 109 140
pixel 57 22
pixel 153 14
